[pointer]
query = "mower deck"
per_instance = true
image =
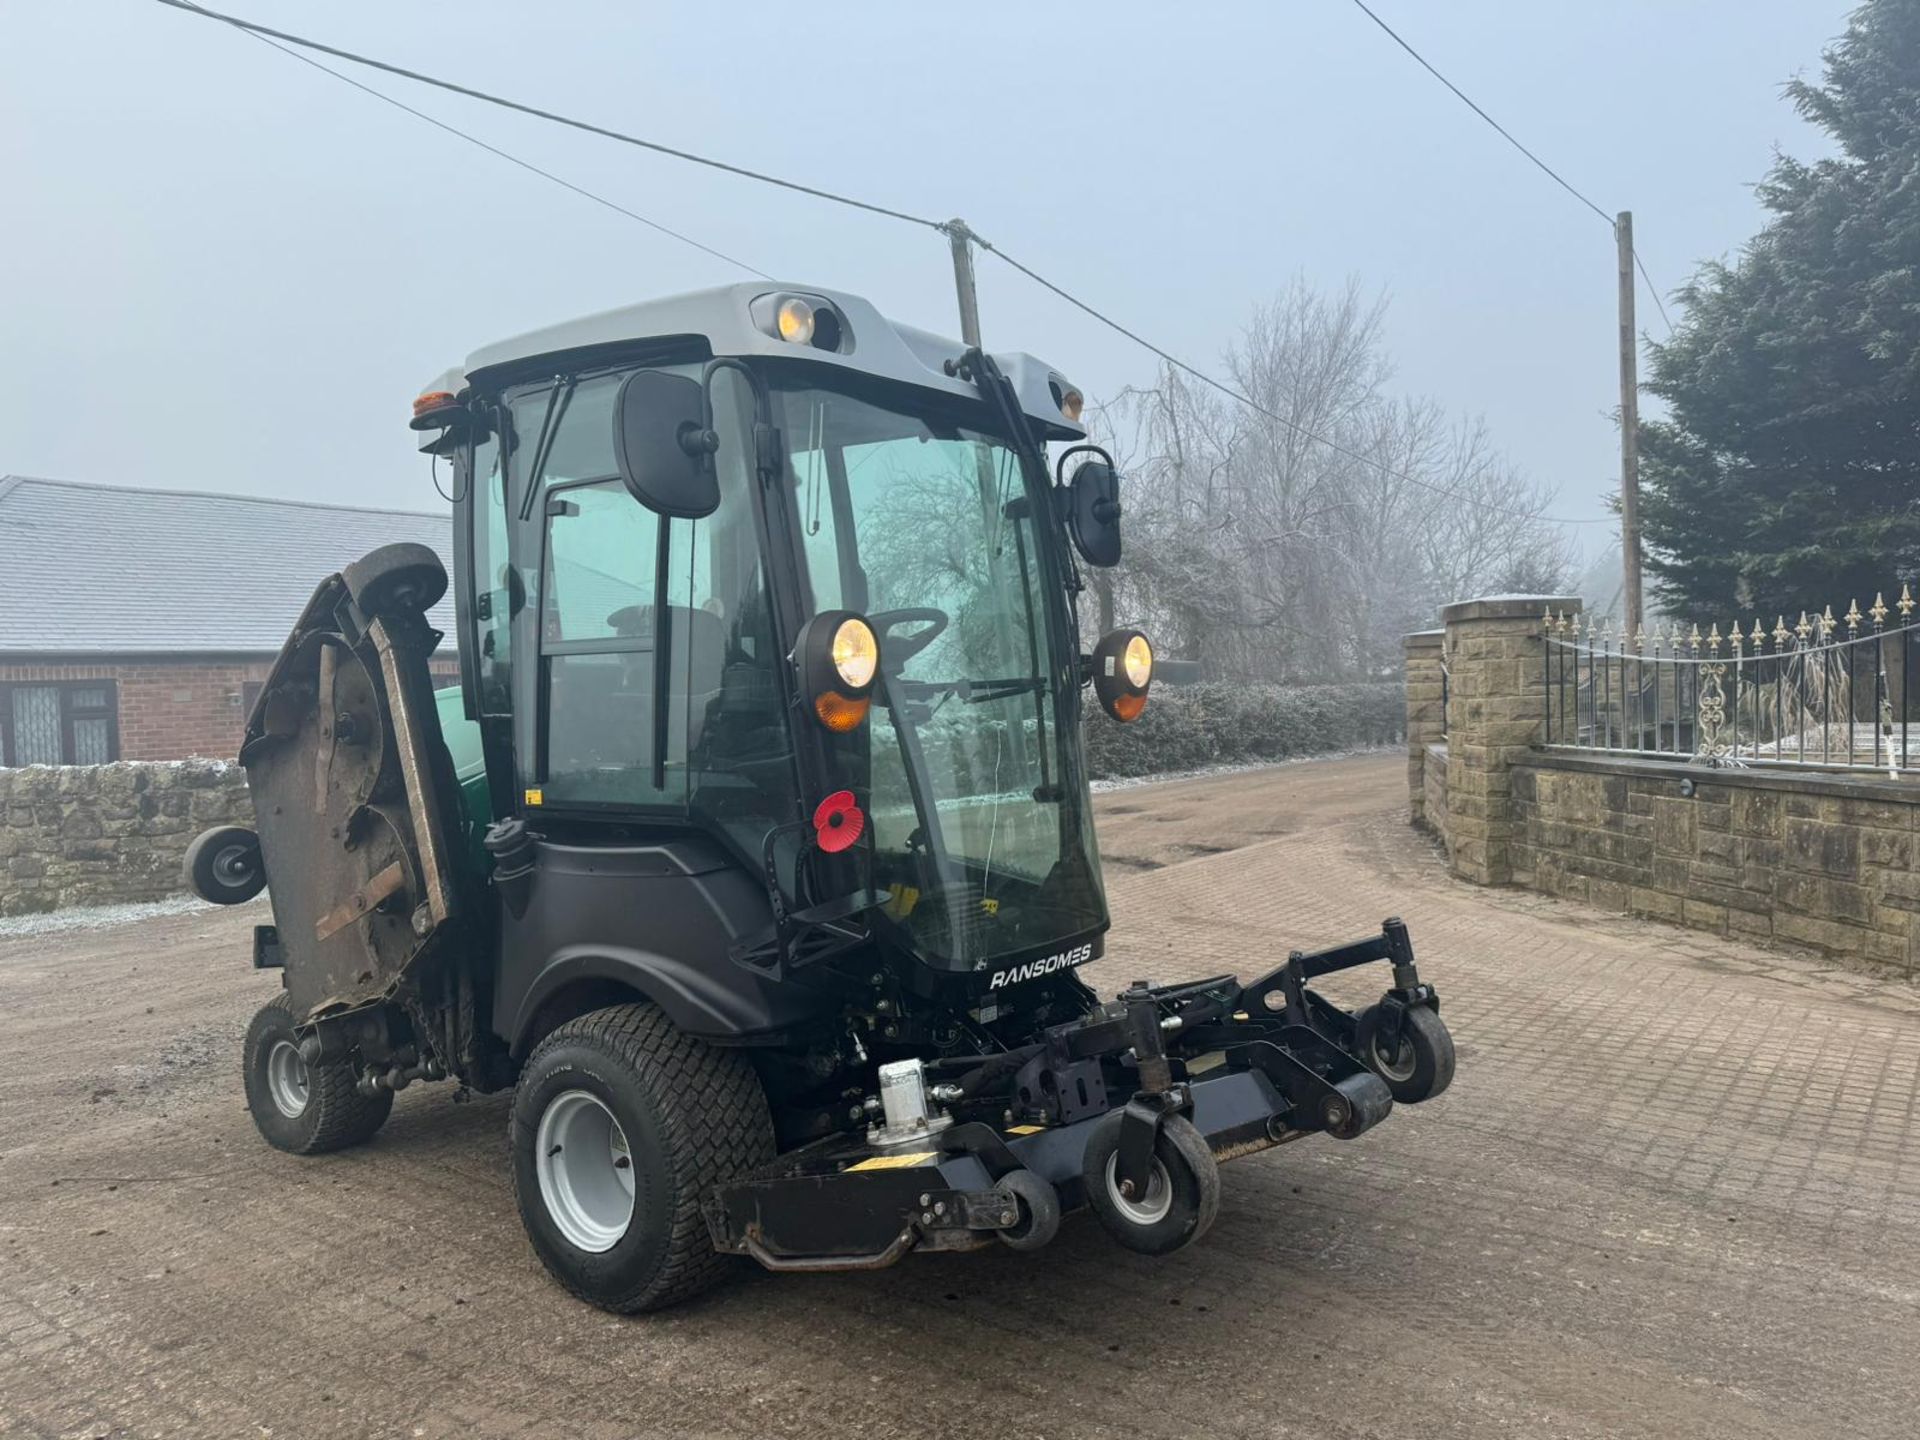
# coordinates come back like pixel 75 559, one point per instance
pixel 1248 1066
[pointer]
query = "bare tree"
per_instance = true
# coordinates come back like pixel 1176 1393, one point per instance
pixel 1267 554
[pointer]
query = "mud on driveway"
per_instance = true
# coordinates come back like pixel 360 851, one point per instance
pixel 1675 1191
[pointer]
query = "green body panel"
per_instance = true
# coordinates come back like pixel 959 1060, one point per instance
pixel 469 767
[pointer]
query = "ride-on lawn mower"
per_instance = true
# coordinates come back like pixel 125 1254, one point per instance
pixel 755 848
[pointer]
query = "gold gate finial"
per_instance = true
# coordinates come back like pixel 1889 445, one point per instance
pixel 1879 610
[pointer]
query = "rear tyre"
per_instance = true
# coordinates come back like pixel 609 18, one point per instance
pixel 1039 1207
pixel 405 579
pixel 1418 1065
pixel 223 865
pixel 622 1127
pixel 300 1108
pixel 1183 1187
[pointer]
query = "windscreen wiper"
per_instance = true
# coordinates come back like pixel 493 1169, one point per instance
pixel 558 398
pixel 969 692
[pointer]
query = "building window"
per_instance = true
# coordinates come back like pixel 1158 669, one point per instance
pixel 69 723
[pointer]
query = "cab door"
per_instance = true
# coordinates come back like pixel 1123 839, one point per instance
pixel 487 595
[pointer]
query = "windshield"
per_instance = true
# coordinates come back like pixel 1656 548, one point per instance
pixel 925 525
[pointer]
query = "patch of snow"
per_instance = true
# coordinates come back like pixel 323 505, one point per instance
pixel 1242 767
pixel 192 762
pixel 97 917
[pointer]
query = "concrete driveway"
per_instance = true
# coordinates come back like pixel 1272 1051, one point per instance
pixel 1675 1191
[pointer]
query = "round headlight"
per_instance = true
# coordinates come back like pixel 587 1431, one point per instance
pixel 1122 671
pixel 856 652
pixel 838 659
pixel 794 320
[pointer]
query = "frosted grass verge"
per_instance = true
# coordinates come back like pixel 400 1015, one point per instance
pixel 1238 767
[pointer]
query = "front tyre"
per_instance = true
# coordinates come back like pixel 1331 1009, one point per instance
pixel 622 1127
pixel 300 1108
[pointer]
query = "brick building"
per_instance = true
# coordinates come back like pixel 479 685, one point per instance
pixel 139 624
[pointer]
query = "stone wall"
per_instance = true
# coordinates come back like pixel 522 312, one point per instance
pixel 1426 711
pixel 1496 711
pixel 1809 858
pixel 1813 859
pixel 100 834
pixel 1433 792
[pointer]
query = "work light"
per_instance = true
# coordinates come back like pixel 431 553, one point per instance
pixel 1122 673
pixel 856 652
pixel 812 321
pixel 838 656
pixel 794 319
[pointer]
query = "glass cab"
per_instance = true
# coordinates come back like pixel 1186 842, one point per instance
pixel 632 672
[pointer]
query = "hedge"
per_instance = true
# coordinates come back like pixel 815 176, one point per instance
pixel 1188 727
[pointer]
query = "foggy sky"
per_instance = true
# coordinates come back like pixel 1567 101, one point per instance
pixel 224 270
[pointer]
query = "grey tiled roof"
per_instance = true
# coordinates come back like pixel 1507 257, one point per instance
pixel 107 569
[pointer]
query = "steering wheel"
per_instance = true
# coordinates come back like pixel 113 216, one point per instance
pixel 897 652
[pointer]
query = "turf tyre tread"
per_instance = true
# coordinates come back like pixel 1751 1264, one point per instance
pixel 337 1116
pixel 714 1115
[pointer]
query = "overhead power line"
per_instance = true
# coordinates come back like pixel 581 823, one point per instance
pixel 270 36
pixel 1652 290
pixel 1511 139
pixel 491 149
pixel 472 94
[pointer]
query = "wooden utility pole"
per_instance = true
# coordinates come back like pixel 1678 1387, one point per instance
pixel 961 239
pixel 1629 429
pixel 991 517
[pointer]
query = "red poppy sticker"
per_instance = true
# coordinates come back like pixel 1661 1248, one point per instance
pixel 838 822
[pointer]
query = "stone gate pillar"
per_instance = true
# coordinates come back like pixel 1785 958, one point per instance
pixel 1496 711
pixel 1426 722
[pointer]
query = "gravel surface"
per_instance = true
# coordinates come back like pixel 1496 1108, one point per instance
pixel 1675 1191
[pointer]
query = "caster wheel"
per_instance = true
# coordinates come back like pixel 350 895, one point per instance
pixel 223 865
pixel 1039 1206
pixel 1419 1064
pixel 396 581
pixel 1183 1187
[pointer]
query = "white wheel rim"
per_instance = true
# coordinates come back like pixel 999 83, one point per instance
pixel 585 1170
pixel 287 1079
pixel 1400 1065
pixel 1149 1209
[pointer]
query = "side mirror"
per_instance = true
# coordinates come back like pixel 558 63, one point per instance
pixel 1093 513
pixel 661 443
